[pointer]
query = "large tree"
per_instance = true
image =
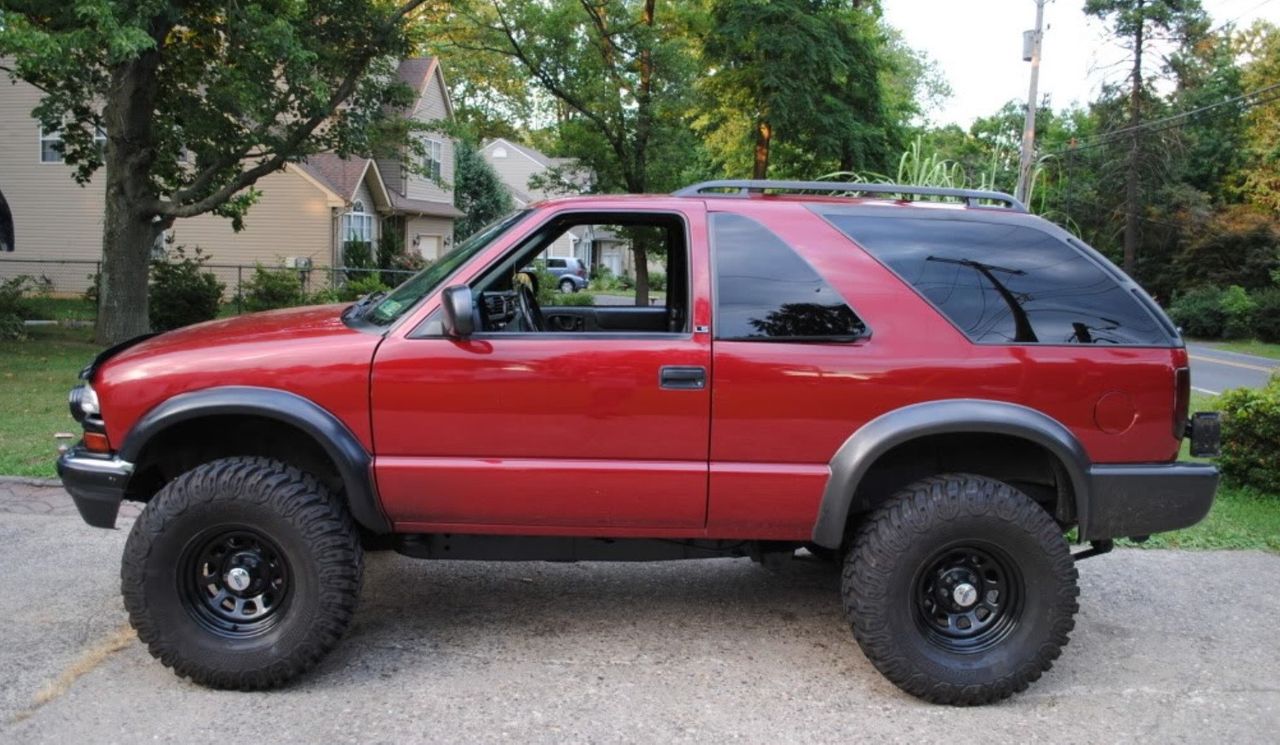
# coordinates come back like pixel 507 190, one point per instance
pixel 198 100
pixel 615 77
pixel 806 75
pixel 1140 26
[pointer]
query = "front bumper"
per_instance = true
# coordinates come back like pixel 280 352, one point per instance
pixel 96 484
pixel 1138 500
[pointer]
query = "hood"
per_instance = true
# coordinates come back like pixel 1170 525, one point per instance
pixel 287 325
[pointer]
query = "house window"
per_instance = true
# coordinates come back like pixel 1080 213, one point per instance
pixel 433 158
pixel 357 225
pixel 51 144
pixel 499 152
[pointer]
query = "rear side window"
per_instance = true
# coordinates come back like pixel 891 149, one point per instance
pixel 1002 283
pixel 766 292
pixel 555 263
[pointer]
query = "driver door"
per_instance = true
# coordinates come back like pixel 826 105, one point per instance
pixel 592 432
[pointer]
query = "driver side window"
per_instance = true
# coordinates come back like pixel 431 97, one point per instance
pixel 591 273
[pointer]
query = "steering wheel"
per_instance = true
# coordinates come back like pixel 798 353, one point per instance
pixel 527 307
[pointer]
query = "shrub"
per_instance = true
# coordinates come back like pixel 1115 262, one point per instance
pixel 1237 308
pixel 360 287
pixel 1199 312
pixel 327 296
pixel 604 280
pixel 572 298
pixel 14 307
pixel 272 288
pixel 657 281
pixel 1266 315
pixel 181 292
pixel 1251 429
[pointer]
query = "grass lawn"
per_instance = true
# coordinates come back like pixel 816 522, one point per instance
pixel 35 376
pixel 1252 346
pixel 61 309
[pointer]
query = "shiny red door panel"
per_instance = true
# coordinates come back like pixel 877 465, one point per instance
pixel 563 431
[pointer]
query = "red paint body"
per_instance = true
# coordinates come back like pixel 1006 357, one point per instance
pixel 573 436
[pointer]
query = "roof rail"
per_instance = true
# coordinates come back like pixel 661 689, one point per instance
pixel 743 188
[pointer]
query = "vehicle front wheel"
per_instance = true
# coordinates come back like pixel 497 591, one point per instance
pixel 242 573
pixel 960 589
pixel 567 286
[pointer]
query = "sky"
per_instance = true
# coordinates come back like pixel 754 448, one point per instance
pixel 978 48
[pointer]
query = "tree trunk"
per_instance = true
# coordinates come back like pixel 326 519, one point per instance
pixel 1131 195
pixel 641 257
pixel 764 133
pixel 127 240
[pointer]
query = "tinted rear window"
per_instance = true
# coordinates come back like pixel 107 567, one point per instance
pixel 766 291
pixel 1003 283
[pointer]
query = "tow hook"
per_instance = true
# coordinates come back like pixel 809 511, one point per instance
pixel 1096 548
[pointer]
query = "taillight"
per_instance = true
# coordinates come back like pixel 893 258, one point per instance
pixel 582 272
pixel 1181 400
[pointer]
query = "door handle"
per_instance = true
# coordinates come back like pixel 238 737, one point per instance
pixel 674 377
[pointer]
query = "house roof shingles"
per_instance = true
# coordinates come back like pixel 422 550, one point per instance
pixel 342 175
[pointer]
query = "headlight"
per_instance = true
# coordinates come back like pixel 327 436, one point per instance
pixel 83 402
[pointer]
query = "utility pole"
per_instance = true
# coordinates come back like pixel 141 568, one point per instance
pixel 1027 160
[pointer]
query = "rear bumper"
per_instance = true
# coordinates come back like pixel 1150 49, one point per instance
pixel 1140 500
pixel 96 484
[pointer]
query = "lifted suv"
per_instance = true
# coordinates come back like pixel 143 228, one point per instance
pixel 930 387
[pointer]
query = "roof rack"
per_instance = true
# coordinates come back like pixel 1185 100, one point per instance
pixel 743 188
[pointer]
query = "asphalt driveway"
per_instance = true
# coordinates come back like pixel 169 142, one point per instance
pixel 1169 646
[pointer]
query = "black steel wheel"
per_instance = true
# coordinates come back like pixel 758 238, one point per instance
pixel 234 582
pixel 968 597
pixel 242 573
pixel 960 589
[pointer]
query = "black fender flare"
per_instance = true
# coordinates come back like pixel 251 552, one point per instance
pixel 952 416
pixel 353 462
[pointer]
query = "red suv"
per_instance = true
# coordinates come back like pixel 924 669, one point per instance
pixel 931 387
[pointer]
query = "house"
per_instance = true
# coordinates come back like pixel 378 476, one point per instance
pixel 307 211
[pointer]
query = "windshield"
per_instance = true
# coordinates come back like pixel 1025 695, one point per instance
pixel 401 299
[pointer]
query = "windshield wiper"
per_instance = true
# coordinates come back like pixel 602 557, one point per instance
pixel 360 305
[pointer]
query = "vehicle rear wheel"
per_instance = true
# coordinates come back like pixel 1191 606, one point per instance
pixel 960 589
pixel 567 286
pixel 242 573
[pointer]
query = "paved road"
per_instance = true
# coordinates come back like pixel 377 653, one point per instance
pixel 1215 370
pixel 1169 646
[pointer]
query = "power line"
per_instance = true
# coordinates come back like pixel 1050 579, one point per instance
pixel 1154 125
pixel 1224 24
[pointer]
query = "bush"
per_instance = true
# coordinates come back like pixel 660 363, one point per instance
pixel 604 280
pixel 272 288
pixel 1237 308
pixel 1199 313
pixel 572 298
pixel 1266 315
pixel 1251 429
pixel 357 288
pixel 14 307
pixel 181 292
pixel 657 281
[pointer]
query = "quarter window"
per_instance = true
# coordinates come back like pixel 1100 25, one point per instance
pixel 1003 283
pixel 765 291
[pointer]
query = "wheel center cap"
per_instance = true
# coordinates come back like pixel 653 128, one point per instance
pixel 964 594
pixel 238 578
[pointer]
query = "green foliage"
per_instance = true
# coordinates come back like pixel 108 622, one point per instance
pixel 1266 315
pixel 271 288
pixel 181 292
pixel 14 306
pixel 477 192
pixel 544 283
pixel 657 280
pixel 603 280
pixel 1251 429
pixel 357 288
pixel 1199 313
pixel 1237 309
pixel 571 299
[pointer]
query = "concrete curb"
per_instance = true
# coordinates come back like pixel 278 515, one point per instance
pixel 31 481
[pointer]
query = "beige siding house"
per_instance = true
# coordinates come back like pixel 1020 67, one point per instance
pixel 515 165
pixel 307 211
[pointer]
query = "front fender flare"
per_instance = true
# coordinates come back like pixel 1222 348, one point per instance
pixel 954 416
pixel 353 462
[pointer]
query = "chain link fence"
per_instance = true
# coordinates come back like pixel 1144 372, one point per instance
pixel 70 278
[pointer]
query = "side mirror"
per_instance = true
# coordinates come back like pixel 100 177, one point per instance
pixel 459 312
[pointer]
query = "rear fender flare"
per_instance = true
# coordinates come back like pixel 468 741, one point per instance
pixel 954 416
